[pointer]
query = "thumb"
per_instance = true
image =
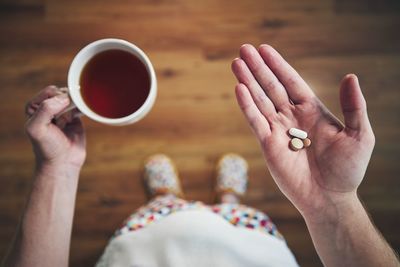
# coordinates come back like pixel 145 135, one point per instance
pixel 49 108
pixel 353 104
pixel 75 131
pixel 39 122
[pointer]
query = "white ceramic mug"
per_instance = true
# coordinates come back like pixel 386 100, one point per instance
pixel 79 63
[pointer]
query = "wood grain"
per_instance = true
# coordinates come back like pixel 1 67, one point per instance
pixel 196 118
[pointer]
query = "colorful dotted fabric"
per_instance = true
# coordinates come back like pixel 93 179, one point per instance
pixel 162 206
pixel 243 216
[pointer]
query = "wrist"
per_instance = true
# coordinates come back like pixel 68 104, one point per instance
pixel 58 170
pixel 336 207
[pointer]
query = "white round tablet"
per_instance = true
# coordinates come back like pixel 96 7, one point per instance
pixel 296 144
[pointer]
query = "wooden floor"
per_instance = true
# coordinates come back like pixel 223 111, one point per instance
pixel 196 118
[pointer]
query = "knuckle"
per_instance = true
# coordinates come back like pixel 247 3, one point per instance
pixel 259 70
pixel 253 122
pixel 291 82
pixel 52 86
pixel 245 106
pixel 33 131
pixel 286 109
pixel 273 120
pixel 271 86
pixel 46 106
pixel 260 97
pixel 50 89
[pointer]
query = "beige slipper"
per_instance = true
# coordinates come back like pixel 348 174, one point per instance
pixel 232 175
pixel 161 176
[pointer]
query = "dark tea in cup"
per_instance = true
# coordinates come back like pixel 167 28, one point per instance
pixel 114 83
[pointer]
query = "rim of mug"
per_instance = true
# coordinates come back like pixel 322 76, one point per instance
pixel 74 75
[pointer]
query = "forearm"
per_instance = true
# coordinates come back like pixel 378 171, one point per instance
pixel 347 237
pixel 44 235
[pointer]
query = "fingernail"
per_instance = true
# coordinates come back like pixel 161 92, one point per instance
pixel 64 89
pixel 62 98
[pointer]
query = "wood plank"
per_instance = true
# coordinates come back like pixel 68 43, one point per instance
pixel 196 118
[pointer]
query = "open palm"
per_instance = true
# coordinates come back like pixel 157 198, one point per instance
pixel 274 98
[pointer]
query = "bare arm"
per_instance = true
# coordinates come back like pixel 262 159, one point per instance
pixel 322 180
pixel 44 235
pixel 347 237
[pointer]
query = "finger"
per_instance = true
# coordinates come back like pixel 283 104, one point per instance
pixel 75 131
pixel 265 77
pixel 297 89
pixel 64 118
pixel 67 117
pixel 353 104
pixel 62 121
pixel 46 112
pixel 257 121
pixel 260 99
pixel 30 108
pixel 76 113
pixel 34 103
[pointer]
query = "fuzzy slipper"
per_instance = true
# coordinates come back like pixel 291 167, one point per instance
pixel 232 175
pixel 161 176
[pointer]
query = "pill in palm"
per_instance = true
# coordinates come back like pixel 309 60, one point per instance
pixel 297 133
pixel 296 144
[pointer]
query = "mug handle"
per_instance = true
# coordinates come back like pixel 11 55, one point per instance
pixel 70 108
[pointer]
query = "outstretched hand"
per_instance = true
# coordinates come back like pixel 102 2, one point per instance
pixel 274 98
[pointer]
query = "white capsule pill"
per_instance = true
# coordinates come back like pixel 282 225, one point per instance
pixel 297 133
pixel 296 144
